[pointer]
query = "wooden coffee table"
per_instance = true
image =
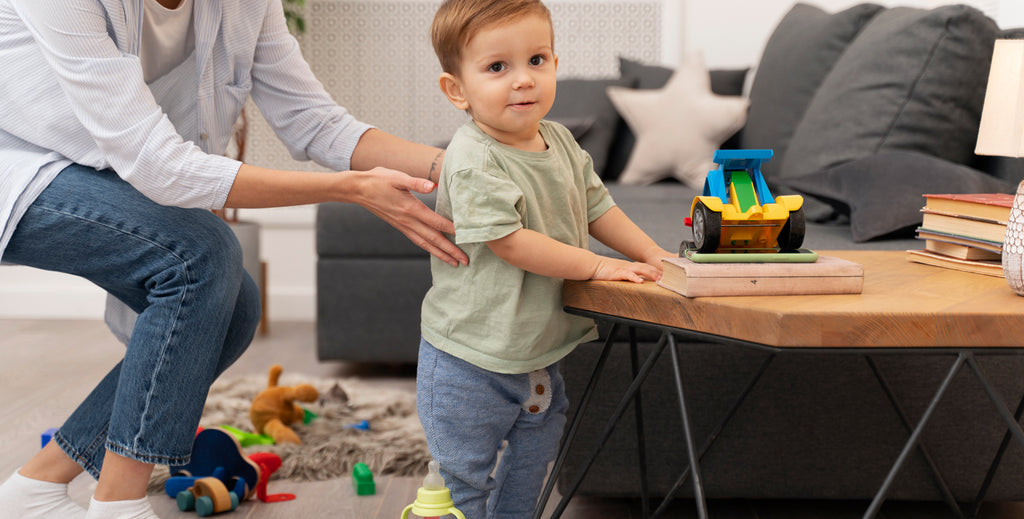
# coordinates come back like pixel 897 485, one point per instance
pixel 905 308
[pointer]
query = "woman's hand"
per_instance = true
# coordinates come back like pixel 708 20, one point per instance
pixel 388 194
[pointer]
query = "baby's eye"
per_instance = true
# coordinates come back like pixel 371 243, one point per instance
pixel 496 67
pixel 537 60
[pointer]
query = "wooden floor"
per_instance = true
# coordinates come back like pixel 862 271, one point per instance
pixel 49 366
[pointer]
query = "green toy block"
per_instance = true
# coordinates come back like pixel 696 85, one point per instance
pixel 247 439
pixel 308 416
pixel 362 478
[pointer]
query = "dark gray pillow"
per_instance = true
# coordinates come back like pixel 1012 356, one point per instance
pixel 643 75
pixel 724 82
pixel 912 80
pixel 799 54
pixel 584 107
pixel 882 194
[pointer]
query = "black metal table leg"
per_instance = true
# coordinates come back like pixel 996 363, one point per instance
pixel 641 448
pixel 876 503
pixel 576 419
pixel 616 415
pixel 991 474
pixel 691 451
pixel 714 434
pixel 947 494
pixel 997 401
pixel 1013 430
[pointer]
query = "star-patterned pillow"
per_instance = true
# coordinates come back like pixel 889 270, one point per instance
pixel 678 127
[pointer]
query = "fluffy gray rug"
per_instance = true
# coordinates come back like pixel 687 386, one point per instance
pixel 394 444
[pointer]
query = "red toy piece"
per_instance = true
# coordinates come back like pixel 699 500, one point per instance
pixel 268 463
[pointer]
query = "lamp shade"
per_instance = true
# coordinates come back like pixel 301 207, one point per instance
pixel 1002 119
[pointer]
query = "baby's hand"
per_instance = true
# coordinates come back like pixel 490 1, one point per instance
pixel 654 255
pixel 611 269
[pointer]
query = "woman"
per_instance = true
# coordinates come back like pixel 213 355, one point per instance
pixel 115 115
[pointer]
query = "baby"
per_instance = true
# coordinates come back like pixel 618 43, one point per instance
pixel 524 198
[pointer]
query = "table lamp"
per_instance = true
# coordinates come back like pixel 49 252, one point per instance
pixel 1002 133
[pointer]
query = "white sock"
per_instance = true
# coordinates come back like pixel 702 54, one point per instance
pixel 27 498
pixel 133 509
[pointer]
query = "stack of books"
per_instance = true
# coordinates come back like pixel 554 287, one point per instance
pixel 964 232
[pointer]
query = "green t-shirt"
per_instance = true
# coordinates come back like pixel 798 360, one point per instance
pixel 491 314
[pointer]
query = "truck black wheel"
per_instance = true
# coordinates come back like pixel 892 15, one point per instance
pixel 707 228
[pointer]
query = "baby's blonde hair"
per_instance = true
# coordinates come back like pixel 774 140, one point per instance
pixel 457 21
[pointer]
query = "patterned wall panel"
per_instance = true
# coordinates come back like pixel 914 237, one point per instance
pixel 375 58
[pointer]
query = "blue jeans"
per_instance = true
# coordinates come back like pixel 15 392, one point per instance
pixel 467 412
pixel 181 271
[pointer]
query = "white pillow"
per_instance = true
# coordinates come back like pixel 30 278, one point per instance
pixel 678 127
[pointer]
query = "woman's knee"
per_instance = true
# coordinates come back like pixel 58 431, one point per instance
pixel 214 247
pixel 244 323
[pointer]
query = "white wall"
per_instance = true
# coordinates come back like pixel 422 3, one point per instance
pixel 1011 13
pixel 738 41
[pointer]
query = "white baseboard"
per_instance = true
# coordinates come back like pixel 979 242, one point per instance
pixel 34 294
pixel 296 304
pixel 51 302
pixel 288 243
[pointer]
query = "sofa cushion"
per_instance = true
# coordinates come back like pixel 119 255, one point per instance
pixel 882 193
pixel 799 54
pixel 911 80
pixel 724 82
pixel 350 230
pixel 678 127
pixel 583 106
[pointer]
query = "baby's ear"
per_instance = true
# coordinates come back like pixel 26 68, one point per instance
pixel 452 89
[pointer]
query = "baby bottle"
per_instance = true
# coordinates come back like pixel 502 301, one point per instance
pixel 433 500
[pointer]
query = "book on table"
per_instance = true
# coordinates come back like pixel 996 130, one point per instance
pixel 827 275
pixel 986 267
pixel 986 206
pixel 964 231
pixel 965 241
pixel 973 215
pixel 960 251
pixel 977 228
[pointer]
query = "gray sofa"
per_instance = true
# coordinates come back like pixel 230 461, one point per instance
pixel 866 110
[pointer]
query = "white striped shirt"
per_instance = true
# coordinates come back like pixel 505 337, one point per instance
pixel 72 91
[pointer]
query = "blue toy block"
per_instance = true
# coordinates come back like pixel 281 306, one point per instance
pixel 362 425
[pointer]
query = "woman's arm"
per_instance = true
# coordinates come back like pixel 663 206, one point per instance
pixel 384 192
pixel 381 149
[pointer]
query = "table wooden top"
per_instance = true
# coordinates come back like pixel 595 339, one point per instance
pixel 903 304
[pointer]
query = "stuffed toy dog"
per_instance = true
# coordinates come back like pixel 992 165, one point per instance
pixel 274 409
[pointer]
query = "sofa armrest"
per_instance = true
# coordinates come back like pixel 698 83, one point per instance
pixel 350 230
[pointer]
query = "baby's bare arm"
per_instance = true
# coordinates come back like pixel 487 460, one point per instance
pixel 539 254
pixel 617 231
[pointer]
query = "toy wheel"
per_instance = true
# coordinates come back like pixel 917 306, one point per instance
pixel 204 506
pixel 792 235
pixel 186 501
pixel 707 228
